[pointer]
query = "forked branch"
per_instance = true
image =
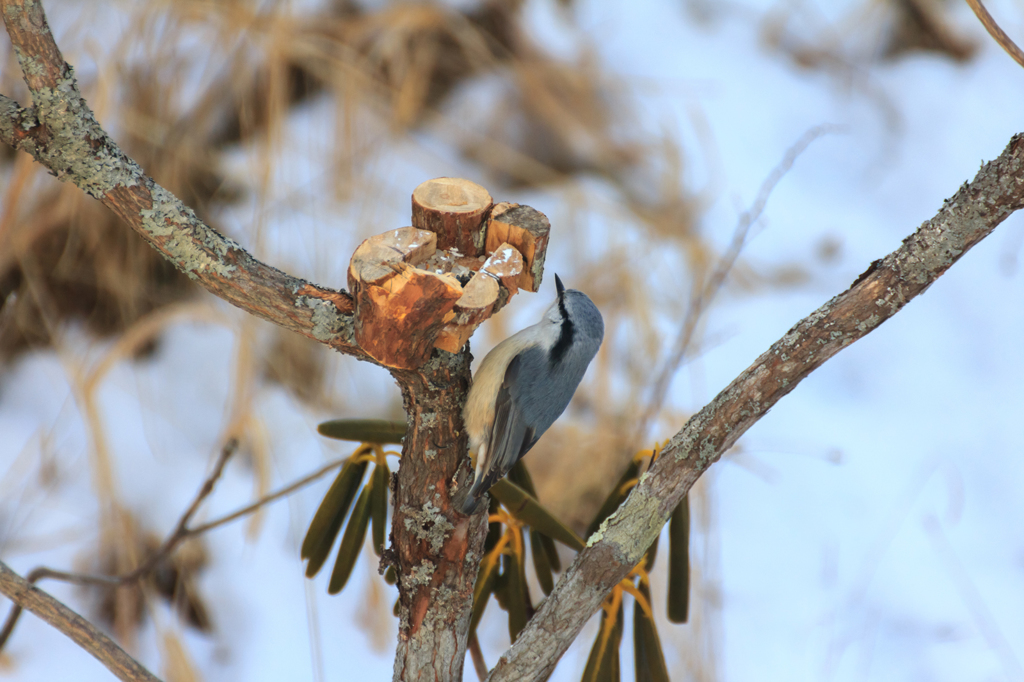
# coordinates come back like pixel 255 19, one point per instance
pixel 60 132
pixel 182 531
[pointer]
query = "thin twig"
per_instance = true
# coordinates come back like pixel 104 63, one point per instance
pixel 180 533
pixel 81 631
pixel 478 657
pixel 702 296
pixel 266 499
pixel 997 33
pixel 881 292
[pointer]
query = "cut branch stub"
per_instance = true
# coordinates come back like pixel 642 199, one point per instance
pixel 403 311
pixel 455 210
pixel 527 230
pixel 506 265
pixel 486 293
pixel 400 308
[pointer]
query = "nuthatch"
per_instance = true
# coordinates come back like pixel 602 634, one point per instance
pixel 524 384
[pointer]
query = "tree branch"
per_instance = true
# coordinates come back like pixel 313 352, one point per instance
pixel 997 33
pixel 435 549
pixel 180 533
pixel 61 133
pixel 878 294
pixel 705 292
pixel 84 634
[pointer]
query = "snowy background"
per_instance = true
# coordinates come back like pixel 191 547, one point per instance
pixel 868 528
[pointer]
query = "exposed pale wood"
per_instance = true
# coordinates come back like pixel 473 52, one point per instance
pixel 456 210
pixel 400 308
pixel 527 230
pixel 506 264
pixel 438 549
pixel 373 261
pixel 478 299
pixel 487 293
pixel 476 305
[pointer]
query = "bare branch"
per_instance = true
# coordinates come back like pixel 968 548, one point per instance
pixel 180 533
pixel 84 634
pixel 265 500
pixel 704 295
pixel 997 33
pixel 878 294
pixel 61 133
pixel 181 530
pixel 436 549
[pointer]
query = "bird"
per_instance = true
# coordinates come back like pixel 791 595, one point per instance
pixel 523 385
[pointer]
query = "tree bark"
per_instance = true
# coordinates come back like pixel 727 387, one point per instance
pixel 526 229
pixel 399 308
pixel 437 549
pixel 455 210
pixel 878 294
pixel 60 132
pixel 81 631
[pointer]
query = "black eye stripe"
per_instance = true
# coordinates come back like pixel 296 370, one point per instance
pixel 565 335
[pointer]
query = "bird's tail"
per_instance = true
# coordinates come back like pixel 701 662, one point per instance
pixel 468 500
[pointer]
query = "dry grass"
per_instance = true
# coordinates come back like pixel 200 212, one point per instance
pixel 189 82
pixel 877 29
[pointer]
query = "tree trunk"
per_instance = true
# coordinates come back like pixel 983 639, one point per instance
pixel 436 549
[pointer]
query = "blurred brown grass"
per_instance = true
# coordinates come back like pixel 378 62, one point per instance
pixel 63 258
pixel 884 30
pixel 189 82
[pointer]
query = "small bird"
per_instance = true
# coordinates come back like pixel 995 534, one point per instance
pixel 523 385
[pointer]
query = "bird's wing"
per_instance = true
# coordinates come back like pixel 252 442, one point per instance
pixel 511 438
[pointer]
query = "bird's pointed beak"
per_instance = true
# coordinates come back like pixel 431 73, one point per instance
pixel 559 287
